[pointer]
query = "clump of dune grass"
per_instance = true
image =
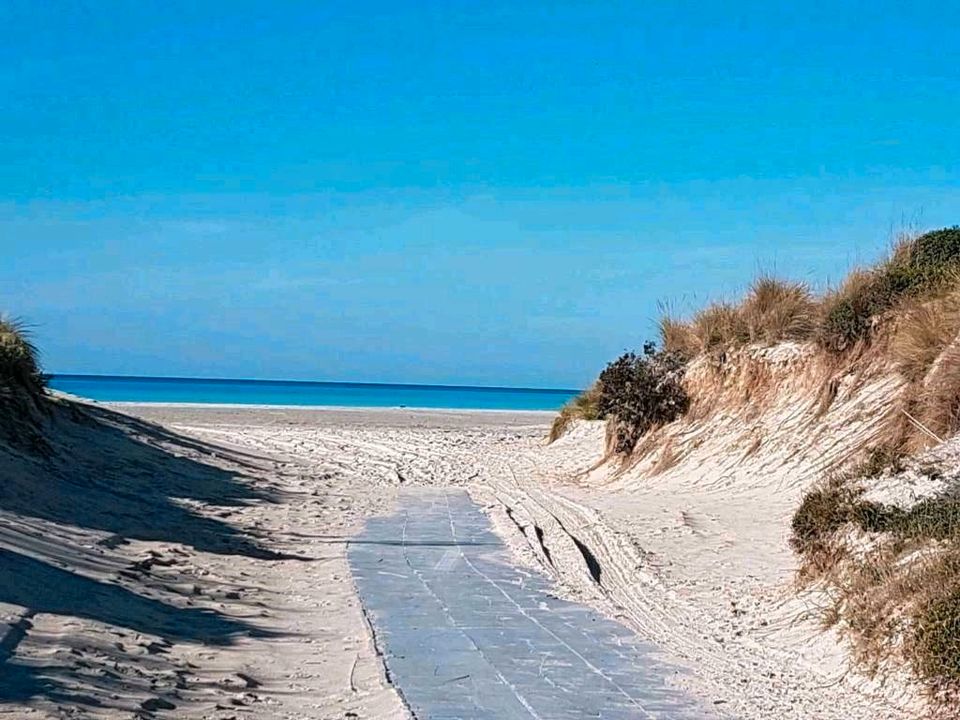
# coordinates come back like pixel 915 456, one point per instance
pixel 584 406
pixel 823 510
pixel 678 336
pixel 775 310
pixel 924 330
pixel 19 361
pixel 938 401
pixel 21 388
pixel 934 645
pixel 917 267
pixel 720 326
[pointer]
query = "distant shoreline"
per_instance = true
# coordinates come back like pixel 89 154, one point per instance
pixel 303 394
pixel 319 408
pixel 322 383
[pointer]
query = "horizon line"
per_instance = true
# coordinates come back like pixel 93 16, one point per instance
pixel 344 383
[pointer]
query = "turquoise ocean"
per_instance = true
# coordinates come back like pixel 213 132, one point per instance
pixel 111 388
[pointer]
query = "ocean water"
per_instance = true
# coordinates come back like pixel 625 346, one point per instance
pixel 108 388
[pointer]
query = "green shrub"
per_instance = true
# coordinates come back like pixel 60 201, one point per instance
pixel 847 312
pixel 935 643
pixel 934 253
pixel 641 391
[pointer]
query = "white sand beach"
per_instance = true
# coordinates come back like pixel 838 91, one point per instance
pixel 207 551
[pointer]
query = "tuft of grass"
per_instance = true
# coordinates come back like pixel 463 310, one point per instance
pixel 917 267
pixel 678 336
pixel 824 509
pixel 21 387
pixel 719 326
pixel 584 406
pixel 776 310
pixel 923 330
pixel 930 519
pixel 19 361
pixel 938 402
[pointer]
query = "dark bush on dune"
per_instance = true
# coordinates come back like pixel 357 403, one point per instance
pixel 639 392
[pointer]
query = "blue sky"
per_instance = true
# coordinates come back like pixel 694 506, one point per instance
pixel 452 192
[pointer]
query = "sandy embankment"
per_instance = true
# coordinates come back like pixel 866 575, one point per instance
pixel 204 566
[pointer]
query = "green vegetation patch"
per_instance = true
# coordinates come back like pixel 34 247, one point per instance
pixel 930 519
pixel 823 511
pixel 826 509
pixel 934 647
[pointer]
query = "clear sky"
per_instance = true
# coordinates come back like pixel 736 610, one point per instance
pixel 452 192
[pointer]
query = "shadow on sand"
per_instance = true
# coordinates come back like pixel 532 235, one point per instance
pixel 123 479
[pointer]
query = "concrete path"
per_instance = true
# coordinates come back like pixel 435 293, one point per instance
pixel 467 635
